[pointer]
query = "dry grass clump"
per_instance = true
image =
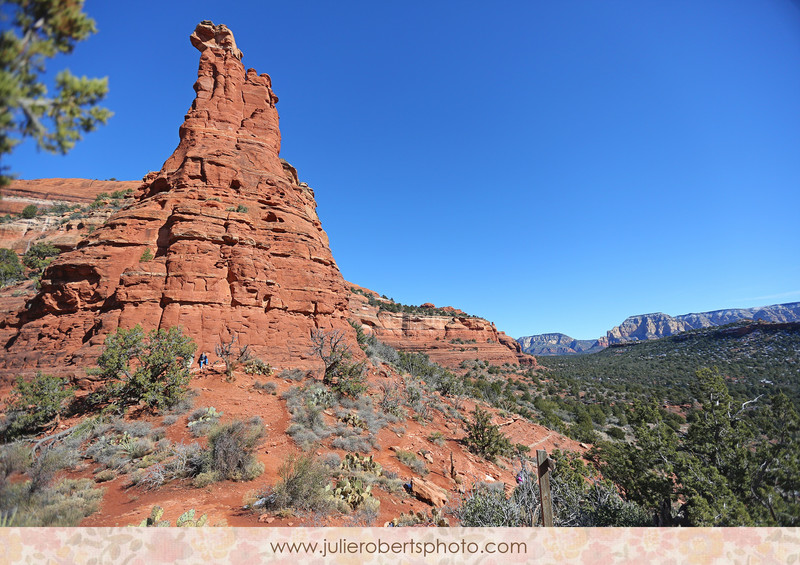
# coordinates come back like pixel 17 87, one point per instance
pixel 301 488
pixel 412 462
pixel 38 500
pixel 230 453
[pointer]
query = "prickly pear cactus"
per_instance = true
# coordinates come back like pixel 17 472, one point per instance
pixel 186 520
pixel 154 520
pixel 356 462
pixel 211 414
pixel 354 420
pixel 353 492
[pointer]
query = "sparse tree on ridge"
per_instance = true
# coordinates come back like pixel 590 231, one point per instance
pixel 34 31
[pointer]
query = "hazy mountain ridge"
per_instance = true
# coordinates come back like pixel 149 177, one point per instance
pixel 653 326
pixel 559 344
pixel 643 327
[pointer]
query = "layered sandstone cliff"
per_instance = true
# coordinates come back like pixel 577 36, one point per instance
pixel 65 230
pixel 236 243
pixel 449 337
pixel 44 193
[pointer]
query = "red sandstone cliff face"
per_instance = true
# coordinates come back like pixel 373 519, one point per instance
pixel 47 192
pixel 65 234
pixel 448 340
pixel 236 240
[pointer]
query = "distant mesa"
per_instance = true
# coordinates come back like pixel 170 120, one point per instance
pixel 653 326
pixel 559 344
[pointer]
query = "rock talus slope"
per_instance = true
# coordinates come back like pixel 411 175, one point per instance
pixel 236 242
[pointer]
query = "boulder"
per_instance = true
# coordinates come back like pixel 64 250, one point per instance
pixel 428 492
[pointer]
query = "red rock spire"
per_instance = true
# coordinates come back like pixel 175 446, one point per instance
pixel 237 244
pixel 231 131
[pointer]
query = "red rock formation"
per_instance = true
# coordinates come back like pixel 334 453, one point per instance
pixel 47 192
pixel 448 340
pixel 44 193
pixel 237 243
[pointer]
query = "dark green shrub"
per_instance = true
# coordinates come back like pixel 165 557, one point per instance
pixel 118 194
pixel 583 431
pixel 58 209
pixel 29 211
pixel 351 380
pixel 484 438
pixel 35 403
pixel 147 256
pixel 361 337
pixel 39 255
pixel 151 370
pixel 615 432
pixel 11 269
pixel 99 200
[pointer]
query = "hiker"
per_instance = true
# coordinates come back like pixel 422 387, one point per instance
pixel 203 360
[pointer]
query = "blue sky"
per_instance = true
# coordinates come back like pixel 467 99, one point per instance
pixel 551 166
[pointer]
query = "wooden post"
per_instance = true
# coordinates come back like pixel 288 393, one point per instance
pixel 544 466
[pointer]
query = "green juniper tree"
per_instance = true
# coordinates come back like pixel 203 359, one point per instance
pixel 485 438
pixel 737 463
pixel 34 31
pixel 11 269
pixel 34 403
pixel 775 481
pixel 39 255
pixel 151 369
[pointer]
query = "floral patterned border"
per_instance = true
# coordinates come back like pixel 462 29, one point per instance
pixel 145 546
